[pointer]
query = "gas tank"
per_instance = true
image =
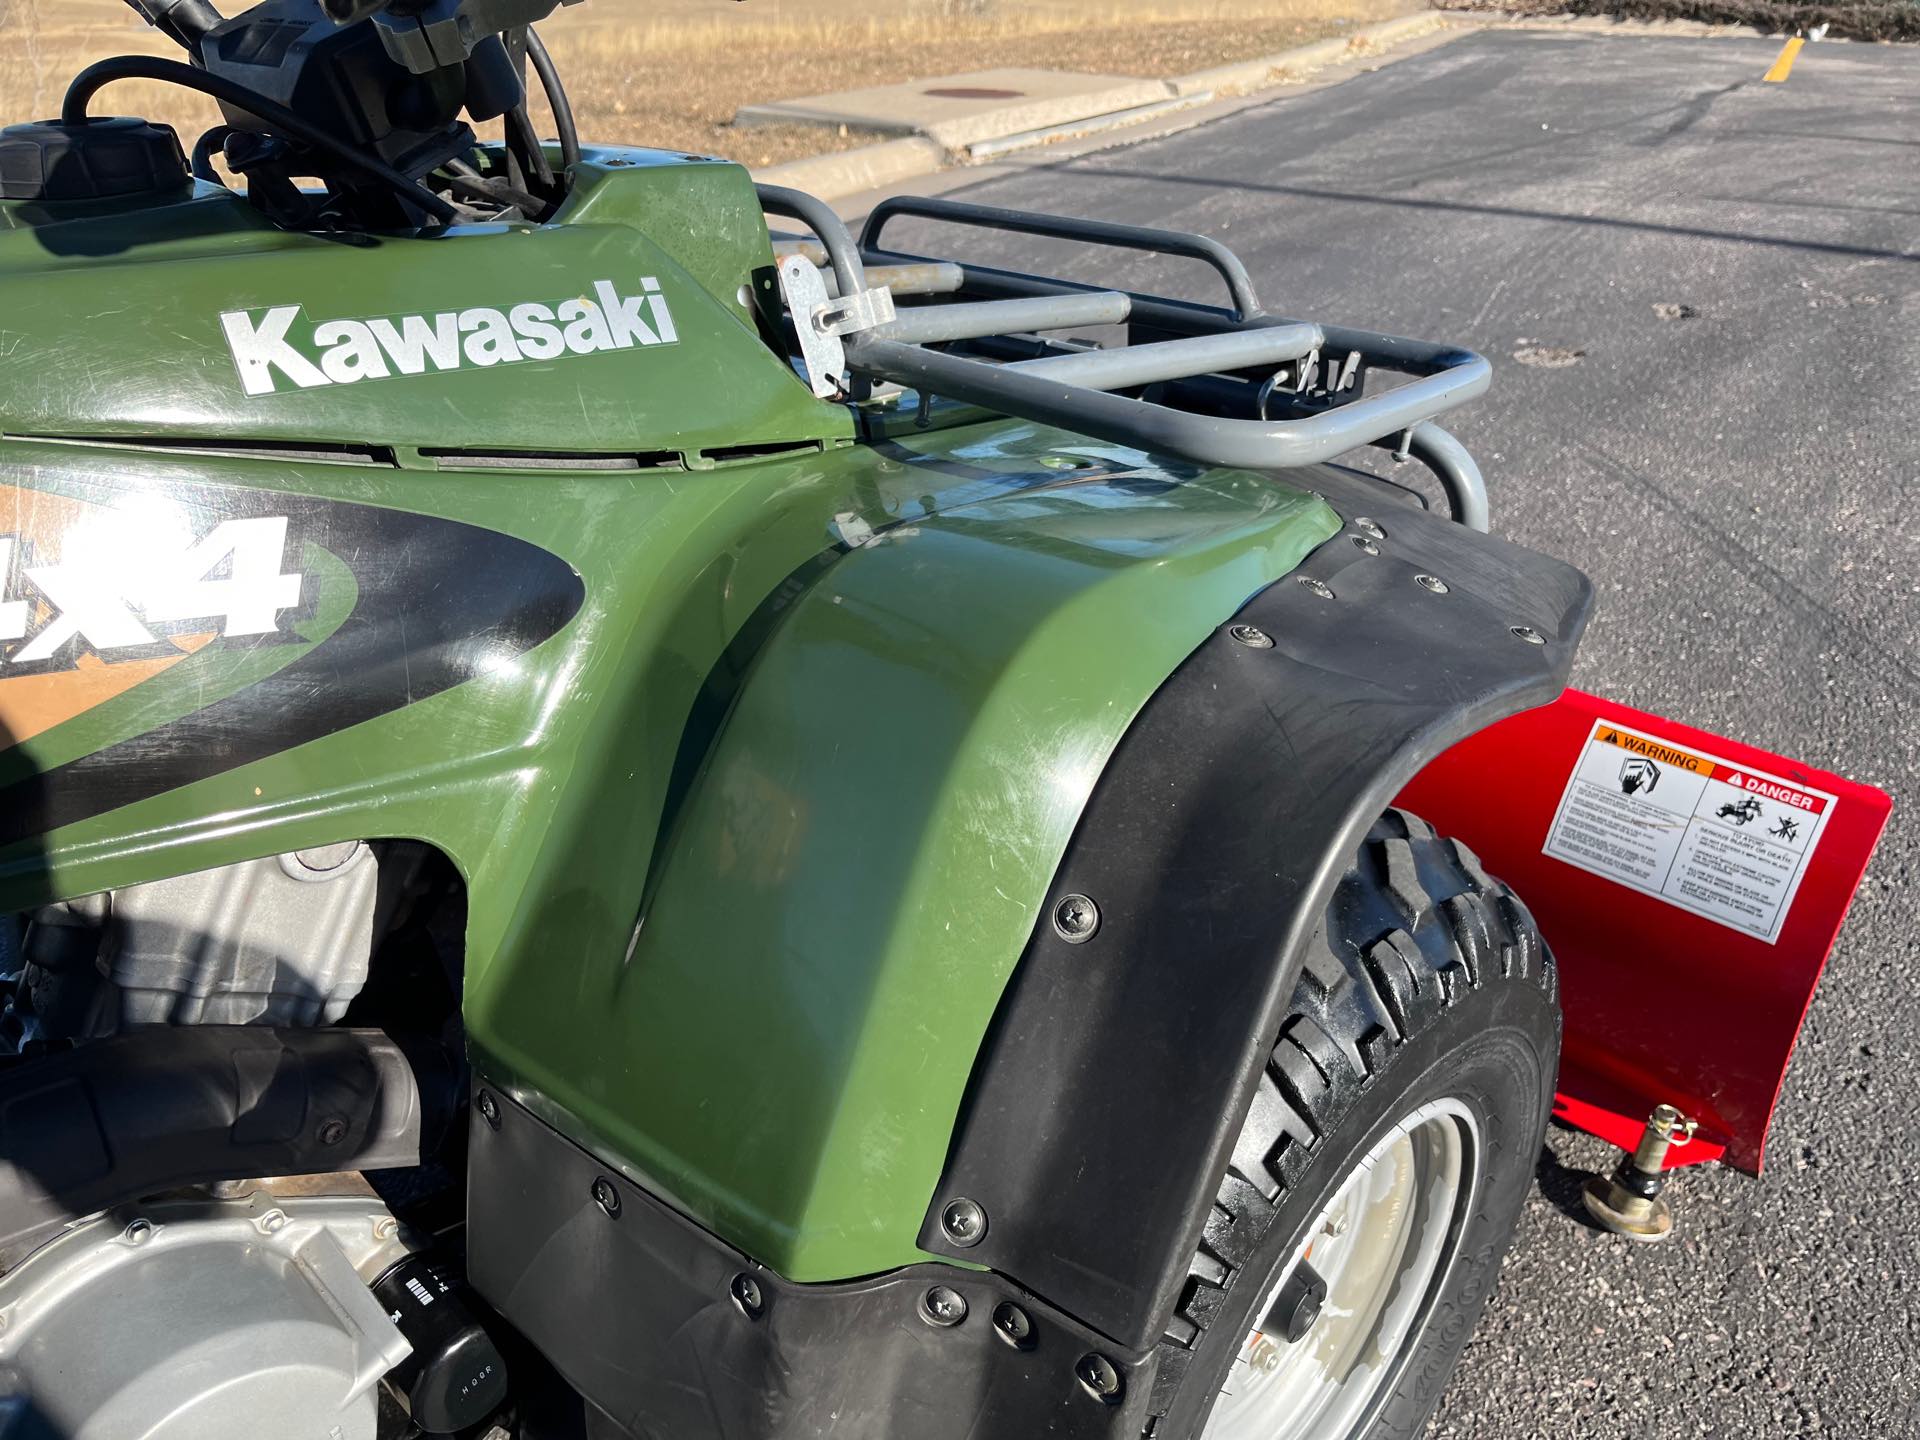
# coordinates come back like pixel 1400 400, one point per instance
pixel 625 326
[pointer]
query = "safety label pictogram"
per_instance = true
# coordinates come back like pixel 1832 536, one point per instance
pixel 1724 841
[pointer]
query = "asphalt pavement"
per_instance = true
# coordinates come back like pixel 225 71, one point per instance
pixel 1701 294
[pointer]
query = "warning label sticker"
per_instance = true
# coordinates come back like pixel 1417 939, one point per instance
pixel 1719 839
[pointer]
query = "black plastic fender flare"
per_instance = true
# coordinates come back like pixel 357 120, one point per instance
pixel 1107 1093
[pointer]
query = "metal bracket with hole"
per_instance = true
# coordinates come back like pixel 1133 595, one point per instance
pixel 862 310
pixel 823 358
pixel 819 321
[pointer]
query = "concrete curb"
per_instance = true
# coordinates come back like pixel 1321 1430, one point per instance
pixel 871 167
pixel 1247 75
pixel 957 132
pixel 866 167
pixel 1112 120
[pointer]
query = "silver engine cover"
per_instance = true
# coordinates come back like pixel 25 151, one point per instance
pixel 284 940
pixel 207 1320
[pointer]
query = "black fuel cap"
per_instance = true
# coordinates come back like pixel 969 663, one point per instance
pixel 106 158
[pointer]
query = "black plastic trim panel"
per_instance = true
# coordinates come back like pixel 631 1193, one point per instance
pixel 1104 1102
pixel 653 1320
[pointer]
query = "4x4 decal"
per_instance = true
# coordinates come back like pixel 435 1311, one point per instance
pixel 421 605
pixel 118 595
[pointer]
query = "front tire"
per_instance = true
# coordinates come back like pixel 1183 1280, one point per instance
pixel 1393 1137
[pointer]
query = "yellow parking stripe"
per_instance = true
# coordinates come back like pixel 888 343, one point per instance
pixel 1783 63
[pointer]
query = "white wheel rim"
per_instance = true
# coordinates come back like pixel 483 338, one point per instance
pixel 1384 1244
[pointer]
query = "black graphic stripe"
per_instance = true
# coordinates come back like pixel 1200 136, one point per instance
pixel 437 599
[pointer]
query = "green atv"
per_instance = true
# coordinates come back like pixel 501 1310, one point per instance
pixel 615 827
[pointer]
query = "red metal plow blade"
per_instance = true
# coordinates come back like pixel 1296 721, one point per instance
pixel 1691 888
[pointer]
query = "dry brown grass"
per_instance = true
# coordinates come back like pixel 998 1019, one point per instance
pixel 672 72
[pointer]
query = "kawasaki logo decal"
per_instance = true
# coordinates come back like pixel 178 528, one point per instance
pixel 267 349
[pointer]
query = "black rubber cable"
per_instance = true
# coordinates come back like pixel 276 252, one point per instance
pixel 522 141
pixel 203 151
pixel 556 99
pixel 469 181
pixel 90 81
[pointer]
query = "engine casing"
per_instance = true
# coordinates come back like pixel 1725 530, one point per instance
pixel 283 940
pixel 198 1318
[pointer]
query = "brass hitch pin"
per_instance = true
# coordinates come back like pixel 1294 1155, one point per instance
pixel 1630 1203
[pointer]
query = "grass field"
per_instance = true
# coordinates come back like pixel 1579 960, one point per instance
pixel 672 72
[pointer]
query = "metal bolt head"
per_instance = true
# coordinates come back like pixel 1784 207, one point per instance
pixel 1264 1355
pixel 606 1197
pixel 331 1132
pixel 1251 636
pixel 1431 582
pixel 1098 1378
pixel 1369 528
pixel 1075 919
pixel 964 1222
pixel 1528 634
pixel 138 1232
pixel 1013 1325
pixel 1364 545
pixel 488 1107
pixel 1335 1226
pixel 943 1306
pixel 746 1294
pixel 1318 587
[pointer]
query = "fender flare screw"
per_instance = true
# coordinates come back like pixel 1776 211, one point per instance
pixel 1013 1325
pixel 1318 587
pixel 943 1307
pixel 1251 636
pixel 1075 919
pixel 488 1107
pixel 963 1222
pixel 746 1294
pixel 1098 1378
pixel 606 1197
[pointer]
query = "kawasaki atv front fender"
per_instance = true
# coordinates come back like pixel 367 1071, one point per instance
pixel 809 1011
pixel 852 867
pixel 1119 1065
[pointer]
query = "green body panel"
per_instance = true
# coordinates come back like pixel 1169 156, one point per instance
pixel 109 324
pixel 755 838
pixel 860 863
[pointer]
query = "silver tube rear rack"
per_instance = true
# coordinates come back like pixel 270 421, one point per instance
pixel 1229 386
